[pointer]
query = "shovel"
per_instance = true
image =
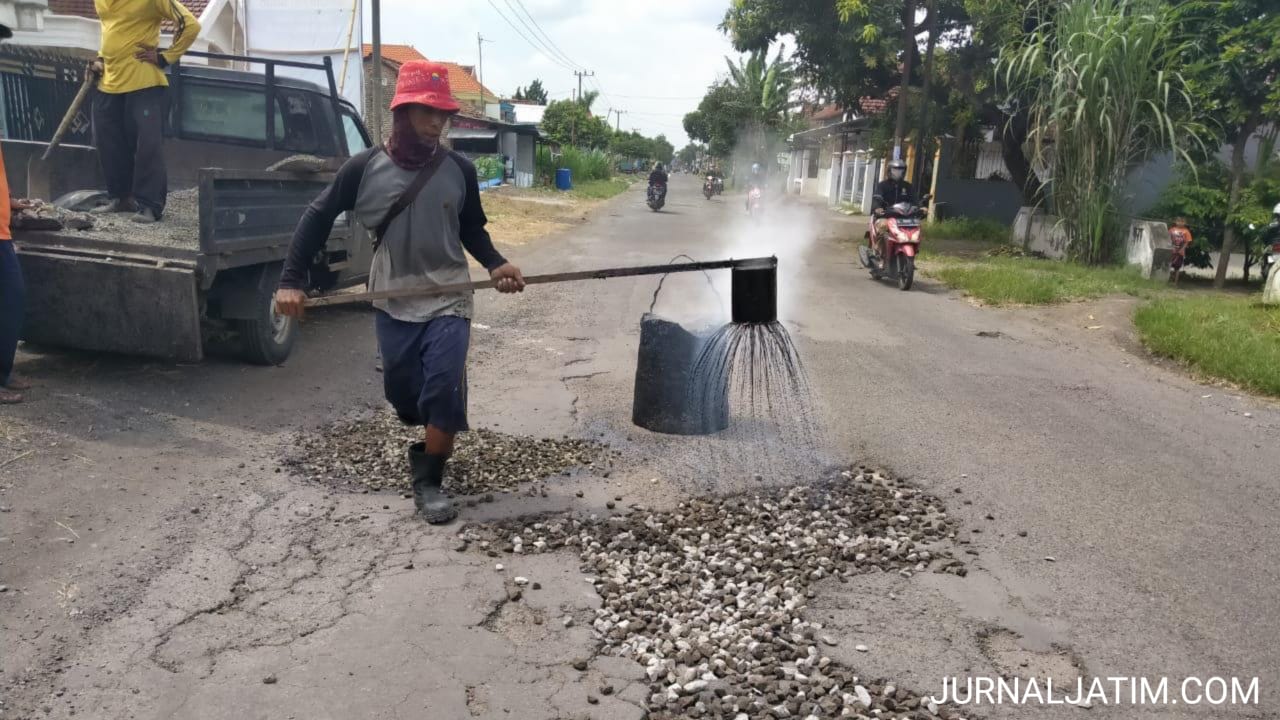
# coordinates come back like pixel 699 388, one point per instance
pixel 39 180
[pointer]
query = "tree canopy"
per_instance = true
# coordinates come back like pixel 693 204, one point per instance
pixel 535 93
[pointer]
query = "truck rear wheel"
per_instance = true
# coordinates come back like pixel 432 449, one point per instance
pixel 268 338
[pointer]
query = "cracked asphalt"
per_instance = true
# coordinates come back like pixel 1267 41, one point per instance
pixel 159 563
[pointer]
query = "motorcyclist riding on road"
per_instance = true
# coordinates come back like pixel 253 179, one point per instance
pixel 658 176
pixel 890 192
pixel 755 181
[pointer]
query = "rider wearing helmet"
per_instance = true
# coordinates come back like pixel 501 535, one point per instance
pixel 658 175
pixel 890 192
pixel 754 181
pixel 658 181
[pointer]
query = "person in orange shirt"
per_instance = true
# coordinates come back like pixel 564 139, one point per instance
pixel 1180 237
pixel 12 291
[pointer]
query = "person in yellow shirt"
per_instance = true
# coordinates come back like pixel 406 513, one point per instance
pixel 128 109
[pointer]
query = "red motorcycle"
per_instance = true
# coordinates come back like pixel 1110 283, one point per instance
pixel 901 242
pixel 755 199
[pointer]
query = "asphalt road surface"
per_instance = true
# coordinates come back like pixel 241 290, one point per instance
pixel 1119 519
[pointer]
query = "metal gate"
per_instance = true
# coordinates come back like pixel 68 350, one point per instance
pixel 36 88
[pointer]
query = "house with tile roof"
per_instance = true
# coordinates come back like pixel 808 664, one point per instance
pixel 73 25
pixel 467 90
pixel 473 131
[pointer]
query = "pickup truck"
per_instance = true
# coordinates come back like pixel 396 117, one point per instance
pixel 210 268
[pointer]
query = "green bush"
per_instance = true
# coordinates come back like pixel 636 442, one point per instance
pixel 583 164
pixel 489 167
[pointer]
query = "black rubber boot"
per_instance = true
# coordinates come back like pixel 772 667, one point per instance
pixel 428 477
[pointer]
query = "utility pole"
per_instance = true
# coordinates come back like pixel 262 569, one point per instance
pixel 909 48
pixel 376 111
pixel 619 112
pixel 582 74
pixel 480 40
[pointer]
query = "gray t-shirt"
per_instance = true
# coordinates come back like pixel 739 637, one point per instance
pixel 423 246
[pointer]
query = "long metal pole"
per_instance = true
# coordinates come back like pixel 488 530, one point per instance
pixel 376 111
pixel 346 50
pixel 746 263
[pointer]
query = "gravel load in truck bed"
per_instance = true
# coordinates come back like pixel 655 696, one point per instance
pixel 178 228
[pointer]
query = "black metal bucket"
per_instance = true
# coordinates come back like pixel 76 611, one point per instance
pixel 754 295
pixel 663 402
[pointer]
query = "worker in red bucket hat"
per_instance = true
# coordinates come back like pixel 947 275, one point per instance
pixel 421 200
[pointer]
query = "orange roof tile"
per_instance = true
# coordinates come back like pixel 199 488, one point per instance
pixel 398 54
pixel 461 77
pixel 85 9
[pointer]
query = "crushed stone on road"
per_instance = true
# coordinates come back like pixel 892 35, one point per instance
pixel 710 596
pixel 368 452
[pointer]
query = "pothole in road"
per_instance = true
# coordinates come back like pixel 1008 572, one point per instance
pixel 367 453
pixel 1007 652
pixel 709 597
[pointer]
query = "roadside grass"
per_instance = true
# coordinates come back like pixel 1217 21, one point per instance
pixel 599 189
pixel 1031 281
pixel 980 230
pixel 1231 338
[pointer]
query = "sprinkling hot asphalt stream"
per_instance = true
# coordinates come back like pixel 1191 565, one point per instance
pixel 160 561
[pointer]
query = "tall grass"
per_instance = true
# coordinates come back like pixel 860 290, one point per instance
pixel 1101 80
pixel 583 164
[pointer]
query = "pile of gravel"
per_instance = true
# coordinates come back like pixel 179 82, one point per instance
pixel 369 453
pixel 178 228
pixel 710 596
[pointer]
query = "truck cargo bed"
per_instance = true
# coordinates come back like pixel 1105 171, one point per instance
pixel 141 289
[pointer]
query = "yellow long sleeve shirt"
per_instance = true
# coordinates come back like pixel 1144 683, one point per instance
pixel 130 25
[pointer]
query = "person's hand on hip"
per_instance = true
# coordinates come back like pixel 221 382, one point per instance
pixel 148 54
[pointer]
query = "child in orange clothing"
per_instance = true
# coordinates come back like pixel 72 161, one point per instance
pixel 1180 237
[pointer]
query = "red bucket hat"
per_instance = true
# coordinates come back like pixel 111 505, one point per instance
pixel 424 83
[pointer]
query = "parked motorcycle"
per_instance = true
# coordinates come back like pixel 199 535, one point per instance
pixel 657 196
pixel 901 243
pixel 1270 250
pixel 709 187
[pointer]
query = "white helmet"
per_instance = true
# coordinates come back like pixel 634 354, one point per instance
pixel 1276 210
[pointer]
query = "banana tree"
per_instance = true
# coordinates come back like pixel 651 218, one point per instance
pixel 762 93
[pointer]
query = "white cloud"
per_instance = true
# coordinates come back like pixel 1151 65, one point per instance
pixel 653 58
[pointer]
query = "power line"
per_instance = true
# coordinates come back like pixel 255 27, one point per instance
pixel 661 97
pixel 545 36
pixel 543 47
pixel 525 38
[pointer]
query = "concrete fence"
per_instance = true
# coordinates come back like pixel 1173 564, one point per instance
pixel 1147 245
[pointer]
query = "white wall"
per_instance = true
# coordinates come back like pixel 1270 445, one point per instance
pixel 308 31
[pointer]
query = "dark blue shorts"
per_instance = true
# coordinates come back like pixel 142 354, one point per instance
pixel 424 369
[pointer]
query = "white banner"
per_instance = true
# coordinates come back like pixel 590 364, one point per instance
pixel 309 31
